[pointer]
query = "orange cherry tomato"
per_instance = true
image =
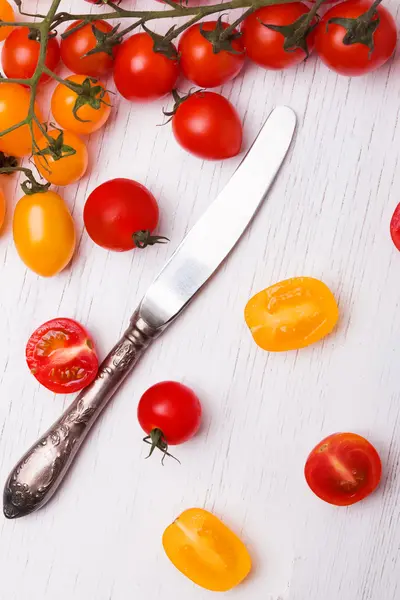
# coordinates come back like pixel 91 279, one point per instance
pixel 7 15
pixel 85 113
pixel 205 550
pixel 14 106
pixel 65 162
pixel 2 208
pixel 291 314
pixel 343 469
pixel 44 233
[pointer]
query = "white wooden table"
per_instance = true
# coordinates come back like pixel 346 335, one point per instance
pixel 327 216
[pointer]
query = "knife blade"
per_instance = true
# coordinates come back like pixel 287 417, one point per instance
pixel 39 473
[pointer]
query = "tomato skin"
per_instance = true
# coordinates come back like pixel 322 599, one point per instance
pixel 7 15
pixel 343 469
pixel 395 227
pixel 206 551
pixel 67 169
pixel 20 55
pixel 140 74
pixel 117 209
pixel 75 46
pixel 61 356
pixel 44 233
pixel 14 106
pixel 354 59
pixel 291 314
pixel 264 46
pixel 201 65
pixel 63 102
pixel 208 126
pixel 173 408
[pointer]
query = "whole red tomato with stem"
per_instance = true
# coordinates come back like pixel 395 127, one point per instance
pixel 343 469
pixel 279 36
pixel 170 414
pixel 141 72
pixel 80 39
pixel 121 214
pixel 395 227
pixel 62 357
pixel 356 37
pixel 207 125
pixel 207 59
pixel 20 54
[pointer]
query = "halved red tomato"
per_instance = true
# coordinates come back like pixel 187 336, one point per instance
pixel 62 357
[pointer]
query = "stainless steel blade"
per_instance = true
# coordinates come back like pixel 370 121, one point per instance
pixel 212 238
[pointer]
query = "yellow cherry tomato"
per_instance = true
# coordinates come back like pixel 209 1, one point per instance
pixel 65 160
pixel 44 233
pixel 291 314
pixel 206 551
pixel 2 208
pixel 7 15
pixel 14 106
pixel 82 113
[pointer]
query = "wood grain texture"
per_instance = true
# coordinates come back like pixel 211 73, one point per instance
pixel 327 216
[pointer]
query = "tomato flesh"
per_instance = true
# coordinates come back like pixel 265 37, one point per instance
pixel 206 551
pixel 61 355
pixel 343 469
pixel 291 314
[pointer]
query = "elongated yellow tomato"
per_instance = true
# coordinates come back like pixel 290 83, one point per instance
pixel 2 208
pixel 291 314
pixel 14 106
pixel 44 233
pixel 206 550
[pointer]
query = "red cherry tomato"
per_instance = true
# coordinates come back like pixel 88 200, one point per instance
pixel 207 125
pixel 120 214
pixel 395 227
pixel 170 413
pixel 140 73
pixel 79 43
pixel 355 58
pixel 265 46
pixel 20 54
pixel 343 469
pixel 201 64
pixel 61 355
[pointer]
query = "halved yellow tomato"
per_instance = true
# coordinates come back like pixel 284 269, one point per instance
pixel 291 314
pixel 44 233
pixel 206 551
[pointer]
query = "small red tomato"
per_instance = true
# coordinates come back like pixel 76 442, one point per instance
pixel 62 357
pixel 120 214
pixel 207 125
pixel 140 73
pixel 170 413
pixel 82 40
pixel 20 54
pixel 202 62
pixel 357 48
pixel 274 49
pixel 343 469
pixel 395 227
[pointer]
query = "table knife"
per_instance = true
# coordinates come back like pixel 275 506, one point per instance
pixel 39 473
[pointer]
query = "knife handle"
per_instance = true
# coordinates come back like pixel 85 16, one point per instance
pixel 36 477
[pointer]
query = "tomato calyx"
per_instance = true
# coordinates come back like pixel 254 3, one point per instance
pixel 105 40
pixel 88 93
pixel 143 238
pixel 360 30
pixel 7 162
pixel 162 44
pixel 178 100
pixel 56 147
pixel 156 439
pixel 221 38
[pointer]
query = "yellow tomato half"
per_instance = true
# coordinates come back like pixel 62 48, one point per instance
pixel 14 106
pixel 7 15
pixel 68 168
pixel 44 233
pixel 206 550
pixel 291 314
pixel 2 208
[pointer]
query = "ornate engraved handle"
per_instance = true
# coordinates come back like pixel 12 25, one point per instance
pixel 36 477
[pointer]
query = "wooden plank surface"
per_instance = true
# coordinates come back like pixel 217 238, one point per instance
pixel 327 216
